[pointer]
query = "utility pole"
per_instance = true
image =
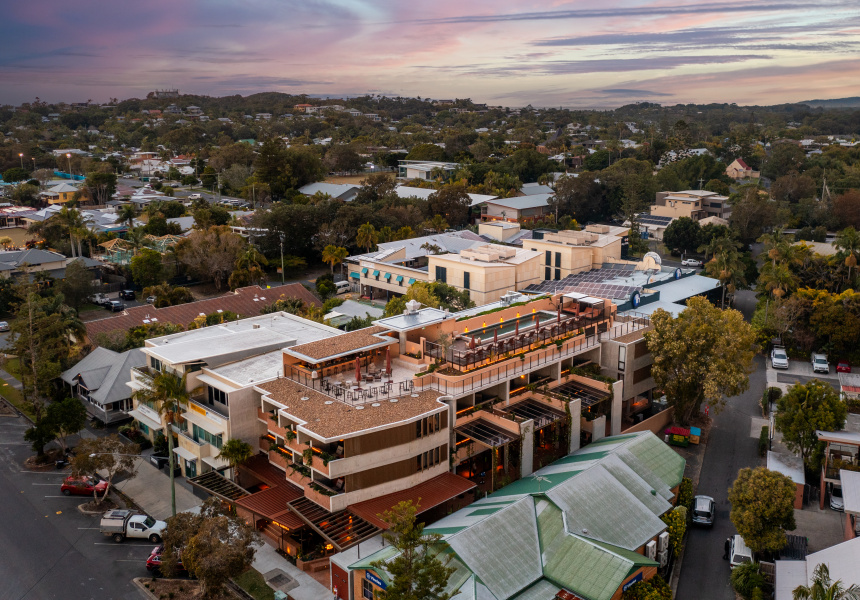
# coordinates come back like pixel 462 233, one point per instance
pixel 282 258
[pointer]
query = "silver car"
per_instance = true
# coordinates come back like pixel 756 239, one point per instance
pixel 704 510
pixel 778 358
pixel 836 501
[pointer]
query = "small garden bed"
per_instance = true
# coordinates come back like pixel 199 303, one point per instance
pixel 99 506
pixel 182 589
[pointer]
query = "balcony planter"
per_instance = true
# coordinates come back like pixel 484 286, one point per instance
pixel 276 458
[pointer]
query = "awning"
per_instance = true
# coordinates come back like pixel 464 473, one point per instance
pixel 376 273
pixel 575 295
pixel 591 301
pixel 216 484
pixel 411 281
pixel 185 453
pixel 215 462
pixel 387 276
pixel 364 270
pixel 399 278
pixel 139 416
pixel 341 529
pixel 424 496
pixel 271 503
pixel 486 432
pixel 354 274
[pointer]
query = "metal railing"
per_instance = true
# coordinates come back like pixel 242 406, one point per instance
pixel 382 391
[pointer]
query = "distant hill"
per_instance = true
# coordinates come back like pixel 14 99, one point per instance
pixel 853 102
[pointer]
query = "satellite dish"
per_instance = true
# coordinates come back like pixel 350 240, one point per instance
pixel 654 257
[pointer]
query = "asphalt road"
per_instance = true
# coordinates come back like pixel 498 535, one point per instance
pixel 704 575
pixel 50 550
pixel 786 378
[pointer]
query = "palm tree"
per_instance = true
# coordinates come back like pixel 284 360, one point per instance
pixel 334 255
pixel 824 589
pixel 127 214
pixel 439 224
pixel 73 222
pixel 235 452
pixel 777 245
pixel 849 240
pixel 166 393
pixel 137 238
pixel 367 237
pixel 778 280
pixel 719 245
pixel 727 266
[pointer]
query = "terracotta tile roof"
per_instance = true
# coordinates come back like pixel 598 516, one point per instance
pixel 332 419
pixel 341 344
pixel 425 496
pixel 240 302
pixel 742 164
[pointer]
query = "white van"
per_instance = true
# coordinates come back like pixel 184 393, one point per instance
pixel 342 287
pixel 740 553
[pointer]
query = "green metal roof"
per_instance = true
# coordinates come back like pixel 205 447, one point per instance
pixel 664 462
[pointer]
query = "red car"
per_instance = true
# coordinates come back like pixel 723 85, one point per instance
pixel 83 486
pixel 153 563
pixel 843 366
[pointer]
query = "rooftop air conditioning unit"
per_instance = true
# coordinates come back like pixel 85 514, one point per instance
pixel 663 558
pixel 663 541
pixel 651 550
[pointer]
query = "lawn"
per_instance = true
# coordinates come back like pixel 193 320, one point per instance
pixel 252 582
pixel 13 367
pixel 15 397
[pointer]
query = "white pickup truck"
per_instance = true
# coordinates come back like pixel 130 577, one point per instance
pixel 120 524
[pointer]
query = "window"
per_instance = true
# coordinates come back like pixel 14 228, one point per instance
pixel 442 274
pixel 558 274
pixel 156 364
pixel 467 280
pixel 216 395
pixel 438 418
pixel 418 429
pixel 622 358
pixel 425 460
pixel 418 461
pixel 436 462
pixel 548 258
pixel 425 426
pixel 191 468
pixel 143 428
pixel 558 259
pixel 201 435
pixel 547 274
pixel 366 590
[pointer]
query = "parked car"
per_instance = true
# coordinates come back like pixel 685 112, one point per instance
pixel 83 486
pixel 194 196
pixel 704 510
pixel 120 524
pixel 778 358
pixel 127 295
pixel 691 262
pixel 819 363
pixel 151 299
pixel 115 306
pixel 99 299
pixel 4 326
pixel 836 501
pixel 843 366
pixel 153 563
pixel 739 553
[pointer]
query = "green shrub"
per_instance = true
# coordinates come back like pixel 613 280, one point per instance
pixel 763 440
pixel 770 395
pixel 655 588
pixel 685 494
pixel 746 578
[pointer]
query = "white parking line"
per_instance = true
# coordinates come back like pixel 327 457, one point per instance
pixel 45 472
pixel 70 497
pixel 43 484
pixel 87 527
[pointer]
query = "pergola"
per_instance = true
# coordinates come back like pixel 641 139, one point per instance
pixel 341 529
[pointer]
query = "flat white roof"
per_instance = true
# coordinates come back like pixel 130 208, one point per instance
pixel 850 490
pixel 251 371
pixel 789 465
pixel 421 318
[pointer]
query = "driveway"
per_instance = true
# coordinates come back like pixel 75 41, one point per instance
pixel 731 447
pixel 52 550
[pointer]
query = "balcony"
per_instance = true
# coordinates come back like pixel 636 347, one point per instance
pixel 325 497
pixel 203 403
pixel 298 474
pixel 278 459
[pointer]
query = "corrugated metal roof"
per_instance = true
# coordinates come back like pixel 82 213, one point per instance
pixel 598 506
pixel 240 302
pixel 424 496
pixel 664 462
pixel 272 504
pixel 514 562
pixel 106 373
pixel 523 202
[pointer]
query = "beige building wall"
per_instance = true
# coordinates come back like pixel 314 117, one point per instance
pixel 488 281
pixel 575 259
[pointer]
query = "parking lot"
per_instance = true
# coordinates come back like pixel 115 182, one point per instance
pixel 52 550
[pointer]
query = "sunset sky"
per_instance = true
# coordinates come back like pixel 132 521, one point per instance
pixel 509 52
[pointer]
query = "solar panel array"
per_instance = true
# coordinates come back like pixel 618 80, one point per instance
pixel 654 220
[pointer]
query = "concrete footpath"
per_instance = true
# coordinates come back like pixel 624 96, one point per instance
pixel 302 586
pixel 150 490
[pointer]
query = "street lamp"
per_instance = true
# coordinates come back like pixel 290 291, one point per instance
pixel 21 156
pixel 69 158
pixel 282 258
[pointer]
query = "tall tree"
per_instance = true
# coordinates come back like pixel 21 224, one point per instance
pixel 727 265
pixel 683 234
pixel 67 417
pixel 101 186
pixel 108 455
pixel 367 237
pixel 167 394
pixel 762 508
pixel 77 285
pixel 147 268
pixel 452 202
pixel 805 409
pixel 417 572
pixel 703 355
pixel 211 254
pixel 334 255
pixel 848 241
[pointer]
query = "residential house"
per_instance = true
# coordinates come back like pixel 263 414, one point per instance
pixel 694 204
pixel 425 169
pixel 338 191
pixel 841 561
pixel 740 170
pixel 100 380
pixel 60 193
pixel 520 208
pixel 533 189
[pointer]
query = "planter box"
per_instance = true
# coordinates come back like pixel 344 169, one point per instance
pixel 276 458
